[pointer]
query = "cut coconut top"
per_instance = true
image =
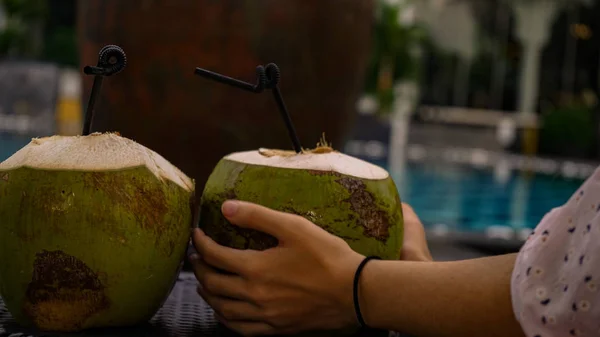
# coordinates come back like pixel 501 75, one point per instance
pixel 319 159
pixel 96 152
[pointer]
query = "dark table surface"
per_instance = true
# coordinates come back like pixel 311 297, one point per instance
pixel 183 314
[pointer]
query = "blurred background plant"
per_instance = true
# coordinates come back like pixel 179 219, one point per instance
pixel 38 30
pixel 569 130
pixel 395 55
pixel 20 34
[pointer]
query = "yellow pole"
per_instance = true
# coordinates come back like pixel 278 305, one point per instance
pixel 69 115
pixel 530 141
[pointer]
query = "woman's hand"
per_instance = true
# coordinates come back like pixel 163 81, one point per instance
pixel 304 283
pixel 414 247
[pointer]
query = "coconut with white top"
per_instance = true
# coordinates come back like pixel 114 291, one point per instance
pixel 94 229
pixel 348 197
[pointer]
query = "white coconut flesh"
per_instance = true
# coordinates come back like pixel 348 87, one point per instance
pixel 320 159
pixel 96 152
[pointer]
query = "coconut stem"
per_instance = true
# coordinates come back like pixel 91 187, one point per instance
pixel 111 60
pixel 267 78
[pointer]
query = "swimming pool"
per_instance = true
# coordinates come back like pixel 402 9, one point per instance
pixel 11 143
pixel 467 199
pixel 456 198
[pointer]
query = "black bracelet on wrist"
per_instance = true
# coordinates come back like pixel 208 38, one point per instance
pixel 361 321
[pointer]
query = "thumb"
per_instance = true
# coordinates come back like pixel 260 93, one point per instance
pixel 253 216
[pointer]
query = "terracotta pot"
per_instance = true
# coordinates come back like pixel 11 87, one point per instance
pixel 321 47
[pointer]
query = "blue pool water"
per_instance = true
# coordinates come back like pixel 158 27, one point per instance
pixel 462 198
pixel 470 200
pixel 10 143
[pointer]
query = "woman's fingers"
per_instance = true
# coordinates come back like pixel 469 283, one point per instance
pixel 231 309
pixel 281 225
pixel 246 328
pixel 232 260
pixel 303 283
pixel 217 283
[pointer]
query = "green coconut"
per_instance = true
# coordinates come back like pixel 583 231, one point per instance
pixel 93 233
pixel 348 197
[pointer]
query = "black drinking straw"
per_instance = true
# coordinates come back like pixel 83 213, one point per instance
pixel 266 79
pixel 111 60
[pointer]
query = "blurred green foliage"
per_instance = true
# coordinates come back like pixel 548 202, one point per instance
pixel 17 37
pixel 26 10
pixel 569 131
pixel 61 47
pixel 11 37
pixel 61 34
pixel 394 55
pixel 43 30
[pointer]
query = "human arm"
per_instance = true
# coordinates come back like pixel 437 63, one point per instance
pixel 440 299
pixel 306 283
pixel 553 283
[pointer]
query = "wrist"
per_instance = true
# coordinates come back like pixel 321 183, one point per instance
pixel 343 287
pixel 366 284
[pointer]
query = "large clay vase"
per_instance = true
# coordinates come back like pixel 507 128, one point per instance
pixel 321 46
